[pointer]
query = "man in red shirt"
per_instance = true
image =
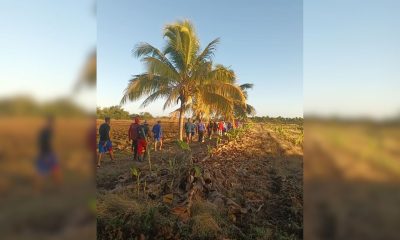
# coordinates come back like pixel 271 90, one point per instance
pixel 220 127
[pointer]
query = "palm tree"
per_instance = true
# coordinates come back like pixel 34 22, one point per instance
pixel 243 112
pixel 88 75
pixel 182 73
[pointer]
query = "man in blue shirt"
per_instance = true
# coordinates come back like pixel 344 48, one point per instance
pixel 193 129
pixel 157 132
pixel 201 127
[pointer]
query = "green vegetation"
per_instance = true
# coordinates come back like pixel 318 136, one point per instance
pixel 27 106
pixel 283 120
pixel 184 74
pixel 114 112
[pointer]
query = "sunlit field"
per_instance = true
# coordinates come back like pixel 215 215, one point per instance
pixel 245 185
pixel 64 210
pixel 352 172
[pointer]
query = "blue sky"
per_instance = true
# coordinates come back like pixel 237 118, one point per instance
pixel 44 45
pixel 260 40
pixel 352 58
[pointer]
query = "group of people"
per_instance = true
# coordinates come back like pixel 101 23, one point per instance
pixel 212 127
pixel 138 134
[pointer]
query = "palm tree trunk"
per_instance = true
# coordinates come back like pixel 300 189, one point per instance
pixel 181 122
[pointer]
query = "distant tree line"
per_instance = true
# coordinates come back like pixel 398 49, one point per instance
pixel 27 106
pixel 279 119
pixel 116 112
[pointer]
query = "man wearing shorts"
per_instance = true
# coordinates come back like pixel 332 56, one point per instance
pixel 193 131
pixel 46 163
pixel 200 130
pixel 188 130
pixel 157 133
pixel 105 145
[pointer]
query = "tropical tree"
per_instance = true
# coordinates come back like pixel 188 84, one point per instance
pixel 183 74
pixel 114 112
pixel 243 112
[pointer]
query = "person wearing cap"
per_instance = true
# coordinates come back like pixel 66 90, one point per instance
pixel 105 144
pixel 133 136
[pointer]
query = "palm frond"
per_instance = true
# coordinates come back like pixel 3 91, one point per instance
pixel 157 67
pixel 208 51
pixel 143 84
pixel 246 86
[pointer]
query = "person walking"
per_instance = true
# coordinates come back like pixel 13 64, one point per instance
pixel 146 130
pixel 46 162
pixel 105 145
pixel 193 130
pixel 215 127
pixel 157 133
pixel 188 130
pixel 220 127
pixel 133 136
pixel 224 127
pixel 142 133
pixel 201 127
pixel 209 128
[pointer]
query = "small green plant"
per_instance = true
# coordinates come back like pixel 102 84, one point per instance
pixel 209 150
pixel 197 171
pixel 136 173
pixel 148 157
pixel 218 140
pixel 144 188
pixel 183 145
pixel 171 165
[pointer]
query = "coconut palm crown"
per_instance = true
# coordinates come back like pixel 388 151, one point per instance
pixel 182 73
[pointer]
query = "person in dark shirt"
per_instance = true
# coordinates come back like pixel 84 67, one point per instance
pixel 146 129
pixel 215 127
pixel 133 136
pixel 46 163
pixel 105 144
pixel 201 127
pixel 142 141
pixel 210 129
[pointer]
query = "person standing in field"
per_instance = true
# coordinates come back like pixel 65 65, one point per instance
pixel 157 133
pixel 133 136
pixel 215 127
pixel 229 126
pixel 188 130
pixel 141 142
pixel 201 129
pixel 193 131
pixel 220 127
pixel 224 127
pixel 105 145
pixel 146 129
pixel 209 128
pixel 46 163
